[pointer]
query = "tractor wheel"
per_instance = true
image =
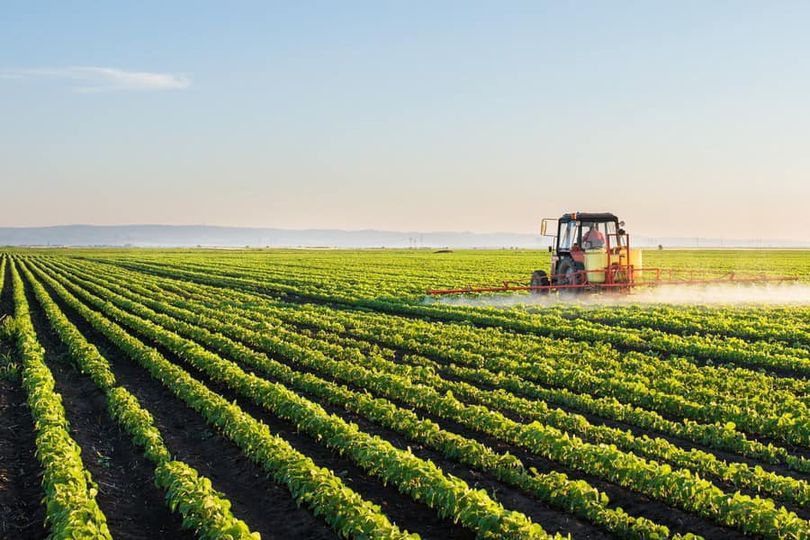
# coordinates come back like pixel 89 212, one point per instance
pixel 569 275
pixel 540 279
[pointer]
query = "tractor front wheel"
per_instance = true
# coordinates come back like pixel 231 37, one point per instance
pixel 570 276
pixel 540 279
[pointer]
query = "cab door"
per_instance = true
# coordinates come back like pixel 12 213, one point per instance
pixel 568 244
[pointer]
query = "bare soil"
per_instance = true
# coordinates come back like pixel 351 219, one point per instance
pixel 133 505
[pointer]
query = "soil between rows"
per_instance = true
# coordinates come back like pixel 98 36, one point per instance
pixel 301 298
pixel 266 506
pixel 22 516
pixel 699 360
pixel 635 504
pixel 400 508
pixel 666 515
pixel 127 494
pixel 677 520
pixel 637 431
pixel 551 519
pixel 297 298
pixel 188 435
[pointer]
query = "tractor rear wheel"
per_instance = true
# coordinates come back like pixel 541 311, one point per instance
pixel 540 279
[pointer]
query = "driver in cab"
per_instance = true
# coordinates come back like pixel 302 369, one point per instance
pixel 593 238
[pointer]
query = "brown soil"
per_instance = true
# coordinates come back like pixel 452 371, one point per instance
pixel 400 508
pixel 634 503
pixel 133 505
pixel 21 514
pixel 267 507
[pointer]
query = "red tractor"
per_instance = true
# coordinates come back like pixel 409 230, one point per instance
pixel 590 250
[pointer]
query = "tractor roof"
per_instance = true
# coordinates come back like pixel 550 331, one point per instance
pixel 589 216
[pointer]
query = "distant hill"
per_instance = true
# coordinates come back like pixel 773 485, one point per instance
pixel 213 236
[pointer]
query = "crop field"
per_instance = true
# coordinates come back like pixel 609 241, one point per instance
pixel 319 394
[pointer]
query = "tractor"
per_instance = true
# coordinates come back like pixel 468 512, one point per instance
pixel 589 250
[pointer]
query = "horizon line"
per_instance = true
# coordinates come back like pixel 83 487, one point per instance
pixel 647 237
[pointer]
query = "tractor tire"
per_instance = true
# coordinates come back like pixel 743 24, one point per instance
pixel 540 279
pixel 569 272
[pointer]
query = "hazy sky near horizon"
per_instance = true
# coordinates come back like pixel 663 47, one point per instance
pixel 686 118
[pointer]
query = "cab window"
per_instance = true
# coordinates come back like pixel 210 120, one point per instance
pixel 569 235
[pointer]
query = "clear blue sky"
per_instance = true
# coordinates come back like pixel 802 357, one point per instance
pixel 687 118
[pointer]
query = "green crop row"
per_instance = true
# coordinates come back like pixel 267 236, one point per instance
pixel 701 384
pixel 679 488
pixel 730 350
pixel 422 480
pixel 789 408
pixel 574 496
pixel 71 509
pixel 9 368
pixel 722 436
pixel 204 510
pixel 715 348
pixel 790 424
pixel 747 326
pixel 317 488
pixel 244 329
pixel 773 414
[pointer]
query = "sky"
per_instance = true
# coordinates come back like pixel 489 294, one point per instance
pixel 686 118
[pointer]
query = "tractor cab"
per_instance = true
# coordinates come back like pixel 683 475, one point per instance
pixel 580 232
pixel 587 249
